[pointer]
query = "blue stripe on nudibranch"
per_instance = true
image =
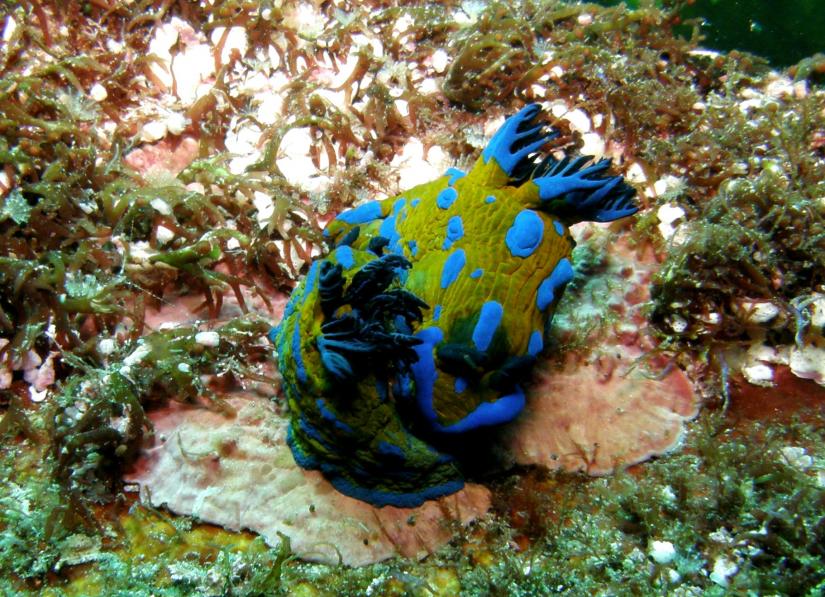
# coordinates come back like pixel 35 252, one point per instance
pixel 446 198
pixel 535 344
pixel 455 230
pixel 437 312
pixel 413 246
pixel 561 275
pixel 525 235
pixel 361 214
pixel 343 255
pixel 503 410
pixel 388 449
pixel 489 319
pixel 328 415
pixel 559 227
pixel 415 202
pixel 477 273
pixel 460 385
pixel 452 267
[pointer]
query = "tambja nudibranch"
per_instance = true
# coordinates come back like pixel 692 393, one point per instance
pixel 426 317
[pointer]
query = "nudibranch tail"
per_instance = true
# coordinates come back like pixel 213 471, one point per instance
pixel 423 323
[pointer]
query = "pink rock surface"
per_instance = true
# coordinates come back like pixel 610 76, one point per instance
pixel 238 472
pixel 167 155
pixel 599 411
pixel 585 417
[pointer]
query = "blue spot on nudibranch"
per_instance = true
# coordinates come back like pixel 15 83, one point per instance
pixel 452 267
pixel 559 227
pixel 343 255
pixel 535 344
pixel 398 205
pixel 561 275
pixel 488 321
pixel 454 174
pixel 415 202
pixel 477 273
pixel 361 214
pixel 460 385
pixel 437 313
pixel 525 235
pixel 413 247
pixel 490 199
pixel 388 231
pixel 455 230
pixel 446 198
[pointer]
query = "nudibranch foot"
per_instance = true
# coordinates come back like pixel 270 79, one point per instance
pixel 417 332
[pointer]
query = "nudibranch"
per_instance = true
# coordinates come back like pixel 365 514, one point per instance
pixel 425 318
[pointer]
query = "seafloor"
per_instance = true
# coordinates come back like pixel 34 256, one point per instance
pixel 166 170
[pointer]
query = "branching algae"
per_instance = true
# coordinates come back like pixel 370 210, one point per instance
pixel 423 322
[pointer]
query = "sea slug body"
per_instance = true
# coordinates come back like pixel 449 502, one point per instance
pixel 426 317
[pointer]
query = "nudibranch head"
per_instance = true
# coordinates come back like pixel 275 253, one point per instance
pixel 426 317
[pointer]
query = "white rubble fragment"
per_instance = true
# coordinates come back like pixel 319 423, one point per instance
pixel 304 17
pixel 98 92
pixel 160 46
pixel 593 144
pixel 236 42
pixel 37 395
pixel 723 570
pixel 662 552
pixel 210 338
pixel 808 362
pixel 413 168
pixel 817 308
pixel 758 374
pixel 635 173
pixel 160 206
pixel 579 120
pixel 9 28
pixel 164 235
pixel 756 311
pixel 265 206
pixel 797 457
pixel 668 213
pixel 666 183
pixel 191 69
pixel 678 323
pixel 296 164
pixel 152 131
pixel 140 250
pixel 428 86
pixel 558 108
pixel 440 61
pixel 106 346
pixel 137 355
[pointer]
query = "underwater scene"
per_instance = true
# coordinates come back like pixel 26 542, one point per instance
pixel 406 298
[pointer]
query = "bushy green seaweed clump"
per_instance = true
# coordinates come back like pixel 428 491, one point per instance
pixel 756 226
pixel 722 506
